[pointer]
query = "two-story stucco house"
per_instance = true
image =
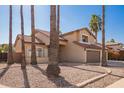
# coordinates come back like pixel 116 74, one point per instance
pixel 76 46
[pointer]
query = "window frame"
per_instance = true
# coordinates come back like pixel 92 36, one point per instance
pixel 39 52
pixel 86 36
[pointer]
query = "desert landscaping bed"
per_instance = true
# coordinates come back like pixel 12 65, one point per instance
pixel 117 74
pixel 35 76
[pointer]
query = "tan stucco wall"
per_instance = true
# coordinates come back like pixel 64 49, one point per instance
pixel 18 46
pixel 39 59
pixel 72 52
pixel 91 39
pixel 42 37
pixel 28 46
pixel 68 53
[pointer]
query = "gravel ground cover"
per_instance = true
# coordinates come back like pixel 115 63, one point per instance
pixel 117 74
pixel 35 77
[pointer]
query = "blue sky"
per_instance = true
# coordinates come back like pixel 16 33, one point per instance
pixel 72 17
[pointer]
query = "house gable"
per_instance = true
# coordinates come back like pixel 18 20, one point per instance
pixel 41 38
pixel 77 35
pixel 45 37
pixel 17 45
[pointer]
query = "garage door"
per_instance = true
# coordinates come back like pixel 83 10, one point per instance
pixel 93 56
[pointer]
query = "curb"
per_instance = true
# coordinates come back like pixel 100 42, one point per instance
pixel 3 86
pixel 82 84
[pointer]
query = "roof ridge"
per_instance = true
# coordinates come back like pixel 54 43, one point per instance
pixel 86 28
pixel 41 30
pixel 24 35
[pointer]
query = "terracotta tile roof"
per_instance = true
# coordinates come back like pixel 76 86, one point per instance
pixel 27 39
pixel 115 47
pixel 113 44
pixel 46 33
pixel 87 45
pixel 80 30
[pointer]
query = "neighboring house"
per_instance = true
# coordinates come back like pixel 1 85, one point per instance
pixel 75 46
pixel 115 51
pixel 115 46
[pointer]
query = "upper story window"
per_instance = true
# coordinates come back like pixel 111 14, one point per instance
pixel 84 38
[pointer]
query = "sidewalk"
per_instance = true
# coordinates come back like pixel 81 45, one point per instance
pixel 118 84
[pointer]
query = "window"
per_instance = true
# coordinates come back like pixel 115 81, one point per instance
pixel 84 38
pixel 45 52
pixel 29 52
pixel 39 52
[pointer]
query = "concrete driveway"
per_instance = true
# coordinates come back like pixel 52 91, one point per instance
pixel 117 68
pixel 113 63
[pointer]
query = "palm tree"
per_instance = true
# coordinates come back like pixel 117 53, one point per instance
pixel 53 69
pixel 95 24
pixel 23 64
pixel 58 19
pixel 58 29
pixel 33 48
pixel 10 53
pixel 103 63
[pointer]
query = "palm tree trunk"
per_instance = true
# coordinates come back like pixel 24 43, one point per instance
pixel 96 35
pixel 58 29
pixel 10 53
pixel 23 64
pixel 103 63
pixel 33 48
pixel 53 69
pixel 58 19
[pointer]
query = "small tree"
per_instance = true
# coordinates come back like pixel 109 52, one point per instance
pixel 5 48
pixel 112 40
